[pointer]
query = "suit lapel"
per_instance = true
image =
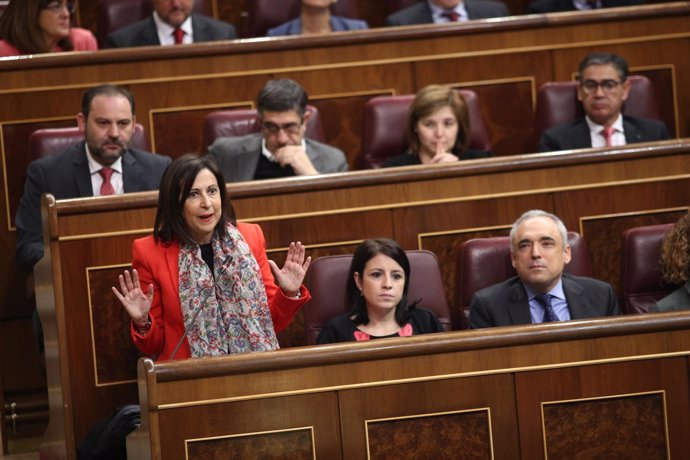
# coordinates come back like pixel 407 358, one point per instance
pixel 82 174
pixel 199 30
pixel 581 137
pixel 518 307
pixel 632 134
pixel 130 173
pixel 149 34
pixel 574 295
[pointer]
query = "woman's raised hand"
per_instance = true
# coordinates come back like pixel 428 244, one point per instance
pixel 290 277
pixel 136 302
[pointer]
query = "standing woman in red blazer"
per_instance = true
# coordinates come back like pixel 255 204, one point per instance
pixel 201 285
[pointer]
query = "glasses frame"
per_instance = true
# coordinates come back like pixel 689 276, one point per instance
pixel 607 86
pixel 274 129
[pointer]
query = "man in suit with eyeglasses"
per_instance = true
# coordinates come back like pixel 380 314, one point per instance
pixel 280 149
pixel 602 90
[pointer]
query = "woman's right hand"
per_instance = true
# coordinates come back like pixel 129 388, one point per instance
pixel 136 302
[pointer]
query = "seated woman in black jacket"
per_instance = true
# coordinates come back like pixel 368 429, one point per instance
pixel 377 290
pixel 437 129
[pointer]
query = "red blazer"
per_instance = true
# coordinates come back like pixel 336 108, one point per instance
pixel 157 264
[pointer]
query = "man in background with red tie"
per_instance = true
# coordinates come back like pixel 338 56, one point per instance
pixel 541 292
pixel 444 11
pixel 103 164
pixel 602 90
pixel 172 23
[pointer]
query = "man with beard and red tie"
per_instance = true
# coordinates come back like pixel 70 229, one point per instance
pixel 103 164
pixel 172 23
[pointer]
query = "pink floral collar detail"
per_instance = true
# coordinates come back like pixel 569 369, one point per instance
pixel 405 331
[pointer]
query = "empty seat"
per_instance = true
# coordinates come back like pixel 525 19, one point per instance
pixel 264 15
pixel 642 283
pixel 557 103
pixel 482 262
pixel 385 118
pixel 49 141
pixel 240 122
pixel 327 283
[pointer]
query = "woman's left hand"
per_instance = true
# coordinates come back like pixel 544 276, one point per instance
pixel 290 277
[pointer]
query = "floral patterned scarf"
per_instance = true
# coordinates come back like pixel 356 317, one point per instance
pixel 235 317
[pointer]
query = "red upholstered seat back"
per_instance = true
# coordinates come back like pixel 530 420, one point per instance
pixel 44 142
pixel 482 262
pixel 557 103
pixel 642 283
pixel 385 118
pixel 394 5
pixel 264 15
pixel 240 122
pixel 327 283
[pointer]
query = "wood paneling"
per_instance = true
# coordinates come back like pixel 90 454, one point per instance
pixel 508 393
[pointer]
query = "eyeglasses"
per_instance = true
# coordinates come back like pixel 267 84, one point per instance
pixel 590 86
pixel 273 129
pixel 57 7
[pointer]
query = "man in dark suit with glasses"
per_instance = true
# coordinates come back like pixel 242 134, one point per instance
pixel 602 90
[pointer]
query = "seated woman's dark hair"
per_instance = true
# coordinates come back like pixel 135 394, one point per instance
pixel 367 250
pixel 176 183
pixel 20 28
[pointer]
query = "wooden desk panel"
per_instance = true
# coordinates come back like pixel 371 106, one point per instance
pixel 504 393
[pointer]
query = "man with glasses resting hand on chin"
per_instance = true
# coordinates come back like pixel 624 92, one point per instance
pixel 280 149
pixel 603 89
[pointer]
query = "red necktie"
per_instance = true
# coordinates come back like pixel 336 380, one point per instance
pixel 179 36
pixel 106 186
pixel 608 135
pixel 451 15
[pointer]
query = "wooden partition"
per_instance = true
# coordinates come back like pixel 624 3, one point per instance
pixel 91 361
pixel 604 388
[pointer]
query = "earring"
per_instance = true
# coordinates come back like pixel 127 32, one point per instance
pixel 361 293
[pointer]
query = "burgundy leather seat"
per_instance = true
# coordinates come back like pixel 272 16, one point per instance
pixel 327 283
pixel 49 141
pixel 240 122
pixel 482 262
pixel 557 103
pixel 641 278
pixel 264 15
pixel 394 5
pixel 384 127
pixel 115 14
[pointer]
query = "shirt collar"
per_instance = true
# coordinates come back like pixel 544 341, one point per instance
pixel 437 12
pixel 267 153
pixel 596 128
pixel 557 291
pixel 95 166
pixel 167 30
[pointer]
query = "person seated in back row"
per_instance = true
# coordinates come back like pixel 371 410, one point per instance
pixel 555 6
pixel 280 149
pixel 541 292
pixel 444 11
pixel 437 129
pixel 172 23
pixel 602 90
pixel 41 26
pixel 377 286
pixel 675 260
pixel 316 18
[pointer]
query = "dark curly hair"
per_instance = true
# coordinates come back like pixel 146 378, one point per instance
pixel 675 252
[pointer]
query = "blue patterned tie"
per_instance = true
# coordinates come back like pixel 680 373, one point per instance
pixel 545 301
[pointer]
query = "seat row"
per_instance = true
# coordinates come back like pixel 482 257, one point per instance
pixel 261 15
pixel 482 262
pixel 384 121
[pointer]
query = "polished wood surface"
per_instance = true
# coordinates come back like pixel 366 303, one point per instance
pixel 91 361
pixel 554 390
